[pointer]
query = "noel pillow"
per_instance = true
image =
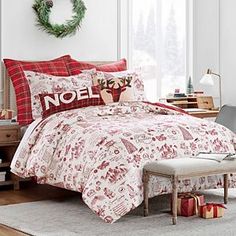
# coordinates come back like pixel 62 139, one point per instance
pixel 120 86
pixel 84 97
pixel 114 89
pixel 43 83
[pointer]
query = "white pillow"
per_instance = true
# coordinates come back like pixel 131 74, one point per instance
pixel 40 83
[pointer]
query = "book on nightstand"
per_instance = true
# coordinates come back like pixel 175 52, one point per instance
pixel 8 122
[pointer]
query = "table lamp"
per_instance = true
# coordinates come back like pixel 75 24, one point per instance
pixel 208 79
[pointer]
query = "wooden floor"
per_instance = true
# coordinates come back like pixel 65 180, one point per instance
pixel 30 193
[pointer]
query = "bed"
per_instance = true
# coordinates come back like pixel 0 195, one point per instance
pixel 100 151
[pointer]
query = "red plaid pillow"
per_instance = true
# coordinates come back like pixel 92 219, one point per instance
pixel 57 102
pixel 75 67
pixel 15 71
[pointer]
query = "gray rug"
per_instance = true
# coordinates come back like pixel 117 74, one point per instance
pixel 72 217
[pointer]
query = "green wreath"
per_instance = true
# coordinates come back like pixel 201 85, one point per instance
pixel 43 10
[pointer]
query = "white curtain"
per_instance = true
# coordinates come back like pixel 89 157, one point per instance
pixel 158 45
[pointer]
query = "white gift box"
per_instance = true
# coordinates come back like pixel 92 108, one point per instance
pixel 2 176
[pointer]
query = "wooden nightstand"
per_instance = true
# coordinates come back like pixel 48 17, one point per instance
pixel 9 140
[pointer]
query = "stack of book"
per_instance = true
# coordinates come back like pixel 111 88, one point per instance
pixel 8 122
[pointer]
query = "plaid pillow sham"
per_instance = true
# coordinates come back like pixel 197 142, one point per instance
pixel 15 71
pixel 58 102
pixel 75 67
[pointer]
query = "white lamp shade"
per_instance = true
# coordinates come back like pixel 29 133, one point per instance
pixel 207 79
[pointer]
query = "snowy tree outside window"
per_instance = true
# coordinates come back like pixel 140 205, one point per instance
pixel 158 45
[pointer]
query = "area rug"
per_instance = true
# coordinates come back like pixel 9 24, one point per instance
pixel 71 217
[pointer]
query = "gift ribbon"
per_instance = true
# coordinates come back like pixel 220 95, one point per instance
pixel 5 112
pixel 195 197
pixel 210 205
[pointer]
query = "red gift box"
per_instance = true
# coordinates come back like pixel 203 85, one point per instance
pixel 211 210
pixel 188 204
pixel 6 114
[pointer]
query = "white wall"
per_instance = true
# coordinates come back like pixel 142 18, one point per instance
pixel 206 45
pixel 228 50
pixel 215 46
pixel 96 40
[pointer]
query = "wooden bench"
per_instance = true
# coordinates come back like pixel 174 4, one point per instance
pixel 183 168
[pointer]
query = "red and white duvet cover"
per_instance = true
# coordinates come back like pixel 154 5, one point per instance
pixel 100 151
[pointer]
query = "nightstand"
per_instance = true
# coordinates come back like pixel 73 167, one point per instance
pixel 9 141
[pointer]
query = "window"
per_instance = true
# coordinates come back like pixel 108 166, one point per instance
pixel 158 44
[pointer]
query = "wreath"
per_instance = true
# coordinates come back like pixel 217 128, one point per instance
pixel 43 9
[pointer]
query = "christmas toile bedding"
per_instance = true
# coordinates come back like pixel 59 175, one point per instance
pixel 100 151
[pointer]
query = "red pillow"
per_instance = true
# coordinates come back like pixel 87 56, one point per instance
pixel 57 102
pixel 75 67
pixel 15 71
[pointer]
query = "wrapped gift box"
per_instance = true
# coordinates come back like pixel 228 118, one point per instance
pixel 211 210
pixel 6 114
pixel 188 204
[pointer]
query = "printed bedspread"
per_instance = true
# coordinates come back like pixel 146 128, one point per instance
pixel 100 152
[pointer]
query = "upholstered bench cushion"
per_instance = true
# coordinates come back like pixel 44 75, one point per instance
pixel 191 167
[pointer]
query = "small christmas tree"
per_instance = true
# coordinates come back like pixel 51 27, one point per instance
pixel 190 89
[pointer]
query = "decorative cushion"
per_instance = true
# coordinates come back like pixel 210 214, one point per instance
pixel 42 84
pixel 120 86
pixel 75 67
pixel 15 71
pixel 114 89
pixel 84 97
pixel 137 83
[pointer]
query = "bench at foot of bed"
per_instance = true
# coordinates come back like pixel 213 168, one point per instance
pixel 183 168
